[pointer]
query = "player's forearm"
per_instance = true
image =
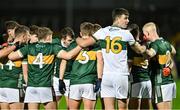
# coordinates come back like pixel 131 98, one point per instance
pixel 85 42
pixel 171 63
pixel 25 72
pixel 69 55
pixel 72 53
pixel 6 51
pixel 173 52
pixel 150 53
pixel 14 55
pixel 62 69
pixel 100 65
pixel 138 48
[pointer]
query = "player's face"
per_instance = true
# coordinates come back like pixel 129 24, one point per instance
pixel 123 21
pixel 49 38
pixel 33 38
pixel 10 32
pixel 67 41
pixel 146 36
pixel 26 37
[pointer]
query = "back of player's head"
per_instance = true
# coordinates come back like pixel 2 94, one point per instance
pixel 34 30
pixel 118 12
pixel 44 32
pixel 96 27
pixel 86 28
pixel 67 31
pixel 21 30
pixel 134 29
pixel 11 25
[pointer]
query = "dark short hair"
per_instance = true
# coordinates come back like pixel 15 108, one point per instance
pixel 21 30
pixel 43 32
pixel 96 27
pixel 118 12
pixel 134 29
pixel 34 29
pixel 66 31
pixel 86 28
pixel 11 25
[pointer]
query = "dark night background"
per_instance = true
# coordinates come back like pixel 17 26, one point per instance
pixel 57 14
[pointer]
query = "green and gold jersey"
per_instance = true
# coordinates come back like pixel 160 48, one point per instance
pixel 57 60
pixel 84 69
pixel 67 74
pixel 139 69
pixel 69 63
pixel 40 57
pixel 11 73
pixel 159 61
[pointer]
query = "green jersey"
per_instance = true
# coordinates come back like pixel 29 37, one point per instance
pixel 11 73
pixel 69 63
pixel 139 70
pixel 159 61
pixel 84 69
pixel 40 57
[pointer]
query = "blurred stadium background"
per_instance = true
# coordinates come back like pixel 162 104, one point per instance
pixel 57 14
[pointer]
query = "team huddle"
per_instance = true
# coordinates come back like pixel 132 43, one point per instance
pixel 116 63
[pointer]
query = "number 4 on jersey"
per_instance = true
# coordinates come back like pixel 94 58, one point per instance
pixel 39 60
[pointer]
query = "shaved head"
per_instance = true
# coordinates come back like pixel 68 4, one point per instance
pixel 149 27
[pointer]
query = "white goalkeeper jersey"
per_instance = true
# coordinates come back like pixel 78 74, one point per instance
pixel 114 41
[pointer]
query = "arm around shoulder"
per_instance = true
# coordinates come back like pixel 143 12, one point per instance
pixel 85 42
pixel 15 55
pixel 70 54
pixel 138 48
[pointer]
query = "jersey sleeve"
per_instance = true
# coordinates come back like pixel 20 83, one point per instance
pixel 98 35
pixel 57 48
pixel 23 51
pixel 169 46
pixel 72 45
pixel 154 47
pixel 130 38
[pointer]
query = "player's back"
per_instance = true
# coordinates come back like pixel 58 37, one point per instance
pixel 113 41
pixel 40 58
pixel 161 60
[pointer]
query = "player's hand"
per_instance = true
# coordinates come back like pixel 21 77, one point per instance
pixel 5 44
pixel 62 87
pixel 166 71
pixel 97 85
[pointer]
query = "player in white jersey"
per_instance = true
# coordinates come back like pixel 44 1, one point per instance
pixel 113 40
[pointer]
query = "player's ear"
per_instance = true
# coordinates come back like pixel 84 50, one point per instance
pixel 81 34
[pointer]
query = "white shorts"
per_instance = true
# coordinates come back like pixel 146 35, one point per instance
pixel 141 90
pixel 165 92
pixel 114 85
pixel 39 95
pixel 10 95
pixel 56 86
pixel 79 91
